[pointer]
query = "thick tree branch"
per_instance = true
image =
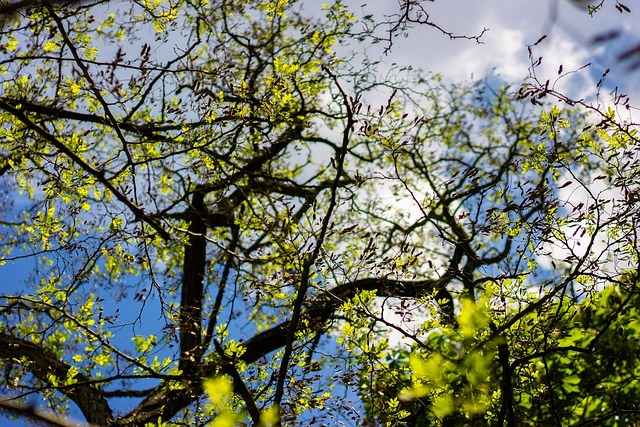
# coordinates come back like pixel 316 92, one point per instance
pixel 165 402
pixel 32 413
pixel 239 386
pixel 324 307
pixel 192 286
pixel 506 410
pixel 41 364
pixel 150 130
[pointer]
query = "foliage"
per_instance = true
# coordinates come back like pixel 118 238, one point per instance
pixel 227 222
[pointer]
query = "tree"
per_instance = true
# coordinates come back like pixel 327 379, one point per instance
pixel 221 217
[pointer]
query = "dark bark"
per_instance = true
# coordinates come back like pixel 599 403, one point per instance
pixel 41 364
pixel 506 411
pixel 165 402
pixel 192 286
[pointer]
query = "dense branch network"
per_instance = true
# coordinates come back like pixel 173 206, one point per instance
pixel 231 208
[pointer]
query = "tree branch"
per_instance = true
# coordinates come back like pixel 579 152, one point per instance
pixel 41 364
pixel 31 412
pixel 166 401
pixel 310 259
pixel 99 175
pixel 192 286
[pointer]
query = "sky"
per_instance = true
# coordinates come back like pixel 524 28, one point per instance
pixel 511 26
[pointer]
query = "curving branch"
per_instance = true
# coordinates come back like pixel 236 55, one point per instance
pixel 43 365
pixel 167 400
pixel 32 413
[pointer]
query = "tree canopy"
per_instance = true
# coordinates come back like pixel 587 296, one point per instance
pixel 233 216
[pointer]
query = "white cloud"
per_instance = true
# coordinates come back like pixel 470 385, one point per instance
pixel 512 25
pixel 578 198
pixel 501 54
